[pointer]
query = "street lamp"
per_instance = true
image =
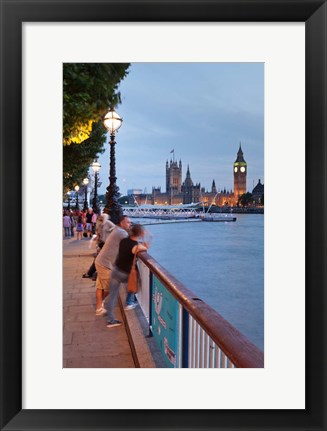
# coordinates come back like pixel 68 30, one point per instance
pixel 85 182
pixel 96 167
pixel 76 193
pixel 68 198
pixel 112 122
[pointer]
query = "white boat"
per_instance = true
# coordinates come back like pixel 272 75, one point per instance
pixel 217 217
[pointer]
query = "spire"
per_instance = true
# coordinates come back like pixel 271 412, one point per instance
pixel 240 152
pixel 213 187
pixel 188 180
pixel 240 157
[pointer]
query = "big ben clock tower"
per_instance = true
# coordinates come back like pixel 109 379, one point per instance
pixel 240 171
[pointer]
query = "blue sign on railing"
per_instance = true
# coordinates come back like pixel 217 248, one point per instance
pixel 164 321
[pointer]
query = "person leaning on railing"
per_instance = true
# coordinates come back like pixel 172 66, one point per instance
pixel 144 241
pixel 128 247
pixel 105 261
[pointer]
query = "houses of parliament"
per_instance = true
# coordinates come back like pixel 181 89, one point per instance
pixel 178 192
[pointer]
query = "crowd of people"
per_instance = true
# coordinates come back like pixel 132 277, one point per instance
pixel 116 247
pixel 83 223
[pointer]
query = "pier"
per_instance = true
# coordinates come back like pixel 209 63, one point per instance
pixel 174 214
pixel 162 211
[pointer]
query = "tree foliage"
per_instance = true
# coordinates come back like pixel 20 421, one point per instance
pixel 123 199
pixel 78 158
pixel 245 199
pixel 89 90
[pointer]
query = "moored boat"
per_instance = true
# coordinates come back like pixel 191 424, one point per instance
pixel 217 217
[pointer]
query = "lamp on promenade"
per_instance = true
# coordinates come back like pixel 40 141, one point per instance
pixel 68 198
pixel 96 167
pixel 85 182
pixel 112 123
pixel 76 194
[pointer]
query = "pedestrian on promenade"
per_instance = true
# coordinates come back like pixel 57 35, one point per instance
pixel 105 260
pixel 88 217
pixel 103 228
pixel 83 214
pixel 98 226
pixel 79 228
pixel 128 247
pixel 66 224
pixel 72 223
pixel 94 220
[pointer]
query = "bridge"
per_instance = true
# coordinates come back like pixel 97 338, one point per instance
pixel 162 211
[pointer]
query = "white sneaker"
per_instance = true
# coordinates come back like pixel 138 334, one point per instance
pixel 130 307
pixel 100 311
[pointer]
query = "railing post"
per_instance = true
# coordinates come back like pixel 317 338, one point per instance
pixel 185 341
pixel 150 302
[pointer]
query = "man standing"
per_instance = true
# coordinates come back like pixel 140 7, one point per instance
pixel 94 220
pixel 67 224
pixel 105 260
pixel 89 216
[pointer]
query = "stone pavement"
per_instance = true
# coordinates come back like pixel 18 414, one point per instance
pixel 88 343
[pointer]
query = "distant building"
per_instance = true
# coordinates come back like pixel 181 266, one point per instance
pixel 191 193
pixel 258 193
pixel 131 192
pixel 173 178
pixel 240 172
pixel 138 197
pixel 173 194
pixel 178 192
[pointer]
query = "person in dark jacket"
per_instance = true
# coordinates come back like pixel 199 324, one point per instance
pixel 128 247
pixel 88 217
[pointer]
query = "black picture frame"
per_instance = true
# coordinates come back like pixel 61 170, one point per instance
pixel 13 14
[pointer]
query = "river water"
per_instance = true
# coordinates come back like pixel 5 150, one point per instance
pixel 223 263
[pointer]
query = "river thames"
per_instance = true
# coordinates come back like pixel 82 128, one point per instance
pixel 223 263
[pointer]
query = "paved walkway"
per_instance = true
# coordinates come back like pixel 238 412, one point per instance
pixel 88 343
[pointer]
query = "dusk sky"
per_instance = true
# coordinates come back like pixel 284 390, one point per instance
pixel 201 110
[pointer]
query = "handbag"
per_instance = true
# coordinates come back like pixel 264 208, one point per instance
pixel 133 278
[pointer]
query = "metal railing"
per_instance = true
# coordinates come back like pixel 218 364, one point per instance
pixel 189 332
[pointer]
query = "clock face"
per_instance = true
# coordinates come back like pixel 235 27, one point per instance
pixel 235 169
pixel 242 169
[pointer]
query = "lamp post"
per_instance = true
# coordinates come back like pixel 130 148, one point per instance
pixel 76 194
pixel 68 198
pixel 85 182
pixel 112 123
pixel 96 167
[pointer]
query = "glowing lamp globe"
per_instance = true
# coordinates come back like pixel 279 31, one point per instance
pixel 96 166
pixel 112 121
